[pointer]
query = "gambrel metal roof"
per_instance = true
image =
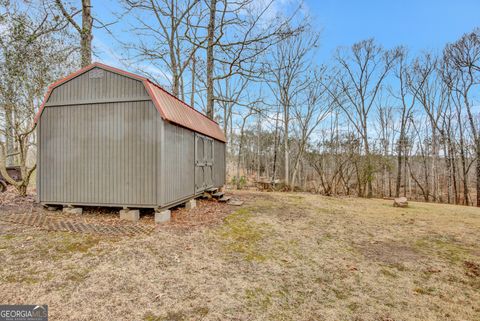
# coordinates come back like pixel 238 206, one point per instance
pixel 170 107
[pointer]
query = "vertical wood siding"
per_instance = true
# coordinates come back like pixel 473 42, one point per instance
pixel 178 163
pixel 102 142
pixel 99 154
pixel 219 167
pixel 199 161
pixel 97 84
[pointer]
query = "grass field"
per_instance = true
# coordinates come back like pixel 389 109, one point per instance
pixel 278 257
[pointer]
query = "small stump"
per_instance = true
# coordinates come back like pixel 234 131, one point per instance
pixel 400 202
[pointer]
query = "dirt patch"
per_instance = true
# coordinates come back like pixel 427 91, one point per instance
pixel 11 202
pixel 207 213
pixel 472 269
pixel 252 197
pixel 392 253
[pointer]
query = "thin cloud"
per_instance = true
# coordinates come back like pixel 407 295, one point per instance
pixel 109 56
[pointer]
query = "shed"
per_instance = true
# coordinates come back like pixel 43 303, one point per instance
pixel 107 137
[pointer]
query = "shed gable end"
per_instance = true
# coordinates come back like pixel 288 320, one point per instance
pixel 97 85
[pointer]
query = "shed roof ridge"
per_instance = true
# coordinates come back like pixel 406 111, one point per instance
pixel 184 103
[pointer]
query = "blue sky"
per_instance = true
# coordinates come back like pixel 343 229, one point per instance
pixel 419 25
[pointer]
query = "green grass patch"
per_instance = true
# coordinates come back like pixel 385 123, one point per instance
pixel 170 316
pixel 77 275
pixel 6 241
pixel 28 277
pixel 197 313
pixel 54 246
pixel 259 298
pixel 295 199
pixel 243 236
pixel 388 273
pixel 424 291
pixel 8 237
pixel 340 294
pixel 331 211
pixel 20 278
pixel 444 247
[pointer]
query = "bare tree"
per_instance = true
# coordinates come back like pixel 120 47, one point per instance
pixel 84 29
pixel 33 54
pixel 308 115
pixel 362 71
pixel 290 63
pixel 386 134
pixel 462 60
pixel 164 41
pixel 237 34
pixel 211 40
pixel 409 87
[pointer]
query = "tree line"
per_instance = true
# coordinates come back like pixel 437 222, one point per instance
pixel 375 122
pixel 371 121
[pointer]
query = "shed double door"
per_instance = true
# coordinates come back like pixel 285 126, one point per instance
pixel 203 163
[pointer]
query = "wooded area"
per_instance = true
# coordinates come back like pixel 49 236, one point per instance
pixel 371 121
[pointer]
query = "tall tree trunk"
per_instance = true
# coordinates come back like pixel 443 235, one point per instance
pixel 447 171
pixel 359 181
pixel 398 181
pixel 453 169
pixel 258 158
pixel 86 33
pixel 463 160
pixel 9 137
pixel 434 163
pixel 369 171
pixel 286 152
pixel 210 59
pixel 192 94
pixel 240 146
pixel 175 61
pixel 275 149
pixel 405 162
pixel 478 172
pixel 296 165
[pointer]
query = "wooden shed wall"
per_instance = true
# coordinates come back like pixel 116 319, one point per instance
pixel 219 165
pixel 99 154
pixel 96 152
pixel 178 163
pixel 102 142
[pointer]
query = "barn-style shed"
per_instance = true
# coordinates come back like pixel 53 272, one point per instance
pixel 107 137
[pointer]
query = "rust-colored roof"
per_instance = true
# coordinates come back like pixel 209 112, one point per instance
pixel 170 107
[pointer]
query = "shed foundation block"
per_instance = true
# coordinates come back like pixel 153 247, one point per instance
pixel 130 215
pixel 163 216
pixel 191 204
pixel 73 210
pixel 50 208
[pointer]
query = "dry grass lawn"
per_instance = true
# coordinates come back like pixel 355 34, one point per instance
pixel 279 257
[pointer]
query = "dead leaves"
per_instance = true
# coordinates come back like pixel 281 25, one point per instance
pixel 472 269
